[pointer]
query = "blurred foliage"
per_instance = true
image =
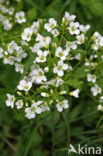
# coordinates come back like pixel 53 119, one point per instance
pixel 50 134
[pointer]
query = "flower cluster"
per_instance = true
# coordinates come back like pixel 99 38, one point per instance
pixel 13 55
pixel 57 52
pixel 8 15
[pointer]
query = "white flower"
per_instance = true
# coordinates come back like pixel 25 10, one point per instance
pixel 74 28
pixel 51 25
pixel 7 25
pixel 101 99
pixel 77 56
pixel 10 60
pixel 59 82
pixel 60 53
pixel 33 110
pixel 84 29
pixel 80 39
pixel 20 17
pixel 19 68
pixel 11 11
pixel 55 32
pixel 69 17
pixel 96 90
pixel 36 47
pixel 43 41
pixel 23 85
pixel 96 35
pixel 45 107
pixel 19 104
pixel 91 78
pixel 41 55
pixel 61 105
pixel 1 52
pixel 100 108
pixel 71 45
pixel 43 94
pixel 10 101
pixel 37 75
pixel 26 35
pixel 59 69
pixel 12 46
pixel 20 54
pixel 75 93
pixel 24 43
pixel 35 26
pixel 46 69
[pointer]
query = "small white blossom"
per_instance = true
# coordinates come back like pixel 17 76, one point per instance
pixel 26 35
pixel 51 25
pixel 71 45
pixel 96 90
pixel 100 108
pixel 36 47
pixel 1 52
pixel 69 17
pixel 59 82
pixel 35 26
pixel 23 85
pixel 84 29
pixel 33 110
pixel 37 75
pixel 46 69
pixel 74 28
pixel 43 41
pixel 41 55
pixel 60 53
pixel 19 68
pixel 19 104
pixel 43 94
pixel 55 32
pixel 80 39
pixel 11 11
pixel 20 17
pixel 101 99
pixel 59 69
pixel 12 46
pixel 7 25
pixel 45 107
pixel 62 105
pixel 10 101
pixel 91 78
pixel 75 93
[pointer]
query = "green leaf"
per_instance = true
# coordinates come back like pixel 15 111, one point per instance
pixel 81 72
pixel 75 83
pixel 75 112
pixel 38 152
pixel 31 14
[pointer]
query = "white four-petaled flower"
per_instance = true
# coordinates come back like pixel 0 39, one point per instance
pixel 41 55
pixel 23 85
pixel 59 69
pixel 74 28
pixel 19 104
pixel 96 90
pixel 62 105
pixel 20 17
pixel 60 53
pixel 10 101
pixel 33 110
pixel 51 25
pixel 91 78
pixel 75 93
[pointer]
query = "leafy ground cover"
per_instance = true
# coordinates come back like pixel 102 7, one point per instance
pixel 50 133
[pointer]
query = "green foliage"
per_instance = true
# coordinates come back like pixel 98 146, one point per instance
pixel 51 134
